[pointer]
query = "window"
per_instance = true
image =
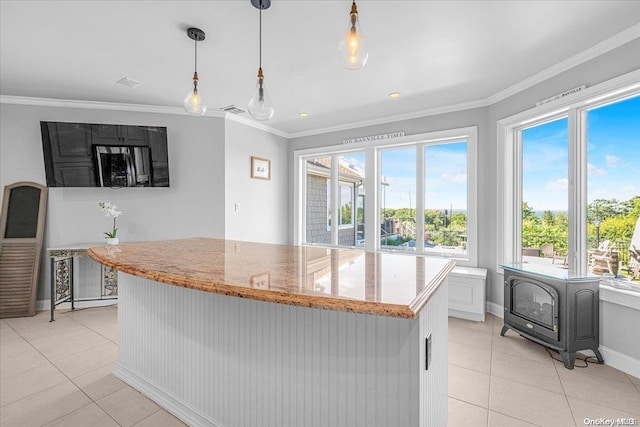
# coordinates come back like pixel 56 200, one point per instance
pixel 320 205
pixel 569 178
pixel 545 183
pixel 613 188
pixel 445 199
pixel 397 207
pixel 420 196
pixel 346 202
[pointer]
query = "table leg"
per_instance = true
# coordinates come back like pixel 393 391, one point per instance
pixel 71 284
pixel 52 281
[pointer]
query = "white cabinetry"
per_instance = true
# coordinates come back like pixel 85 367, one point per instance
pixel 467 295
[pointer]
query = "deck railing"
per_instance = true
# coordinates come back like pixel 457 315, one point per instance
pixel 560 244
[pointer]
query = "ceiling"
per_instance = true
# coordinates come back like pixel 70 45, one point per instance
pixel 435 53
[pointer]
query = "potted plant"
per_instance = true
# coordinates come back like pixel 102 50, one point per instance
pixel 111 211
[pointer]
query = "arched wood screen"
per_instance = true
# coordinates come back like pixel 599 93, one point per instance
pixel 24 206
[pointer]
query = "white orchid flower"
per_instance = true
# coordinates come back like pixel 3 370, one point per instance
pixel 110 211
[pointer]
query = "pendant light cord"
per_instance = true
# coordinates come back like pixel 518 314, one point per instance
pixel 260 37
pixel 195 65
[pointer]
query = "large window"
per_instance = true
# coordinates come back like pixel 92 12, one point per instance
pixel 570 183
pixel 445 198
pixel 420 195
pixel 397 207
pixel 545 184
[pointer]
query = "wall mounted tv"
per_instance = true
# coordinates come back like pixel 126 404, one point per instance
pixel 99 155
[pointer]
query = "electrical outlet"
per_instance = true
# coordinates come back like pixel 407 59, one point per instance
pixel 236 207
pixel 428 351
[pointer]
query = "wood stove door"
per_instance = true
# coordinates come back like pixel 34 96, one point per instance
pixel 532 307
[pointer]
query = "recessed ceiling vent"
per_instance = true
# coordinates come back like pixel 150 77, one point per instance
pixel 232 109
pixel 130 83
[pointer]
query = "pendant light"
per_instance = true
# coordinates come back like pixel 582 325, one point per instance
pixel 260 106
pixel 352 48
pixel 193 101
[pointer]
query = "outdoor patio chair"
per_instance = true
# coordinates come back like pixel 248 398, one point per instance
pixel 602 247
pixel 547 251
pixel 604 261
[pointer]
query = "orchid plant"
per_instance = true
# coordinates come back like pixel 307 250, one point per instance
pixel 110 211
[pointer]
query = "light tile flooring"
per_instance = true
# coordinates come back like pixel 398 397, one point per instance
pixel 59 374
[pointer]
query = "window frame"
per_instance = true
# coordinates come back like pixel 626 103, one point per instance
pixel 509 179
pixel 341 225
pixel 372 181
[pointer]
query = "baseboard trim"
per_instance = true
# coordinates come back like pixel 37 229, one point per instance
pixel 188 415
pixel 466 315
pixel 620 361
pixel 42 305
pixel 495 309
pixel 615 359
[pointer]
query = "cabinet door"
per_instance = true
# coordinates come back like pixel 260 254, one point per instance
pixel 159 156
pixel 158 144
pixel 119 135
pixel 70 142
pixel 106 135
pixel 75 175
pixel 134 135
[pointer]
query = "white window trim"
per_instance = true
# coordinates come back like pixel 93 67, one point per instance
pixel 372 178
pixel 510 164
pixel 341 226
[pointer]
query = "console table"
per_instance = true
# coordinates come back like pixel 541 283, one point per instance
pixel 61 260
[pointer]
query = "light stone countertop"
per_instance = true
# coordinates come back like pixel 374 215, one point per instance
pixel 386 284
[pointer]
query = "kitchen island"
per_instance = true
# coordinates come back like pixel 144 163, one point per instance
pixel 228 333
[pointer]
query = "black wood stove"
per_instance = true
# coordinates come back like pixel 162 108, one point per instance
pixel 552 307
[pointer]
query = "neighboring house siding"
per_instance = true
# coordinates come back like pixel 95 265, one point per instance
pixel 317 210
pixel 346 237
pixel 317 214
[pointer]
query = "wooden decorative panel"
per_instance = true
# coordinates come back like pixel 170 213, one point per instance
pixel 17 262
pixel 21 230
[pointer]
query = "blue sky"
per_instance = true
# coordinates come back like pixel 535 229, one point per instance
pixel 613 157
pixel 445 176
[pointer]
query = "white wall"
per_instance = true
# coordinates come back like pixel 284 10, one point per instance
pixel 192 206
pixel 263 214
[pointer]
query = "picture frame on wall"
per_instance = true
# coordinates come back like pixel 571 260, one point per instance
pixel 260 168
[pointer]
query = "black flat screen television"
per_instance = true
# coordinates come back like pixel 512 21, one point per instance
pixel 104 155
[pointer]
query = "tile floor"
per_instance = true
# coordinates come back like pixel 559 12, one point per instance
pixel 59 374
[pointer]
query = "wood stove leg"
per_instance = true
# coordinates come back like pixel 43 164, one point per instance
pixel 504 330
pixel 598 355
pixel 569 359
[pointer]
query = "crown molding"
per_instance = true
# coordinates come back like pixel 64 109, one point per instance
pixel 99 105
pixel 138 108
pixel 257 125
pixel 399 117
pixel 594 51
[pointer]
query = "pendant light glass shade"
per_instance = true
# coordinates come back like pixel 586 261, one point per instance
pixel 260 106
pixel 352 48
pixel 193 101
